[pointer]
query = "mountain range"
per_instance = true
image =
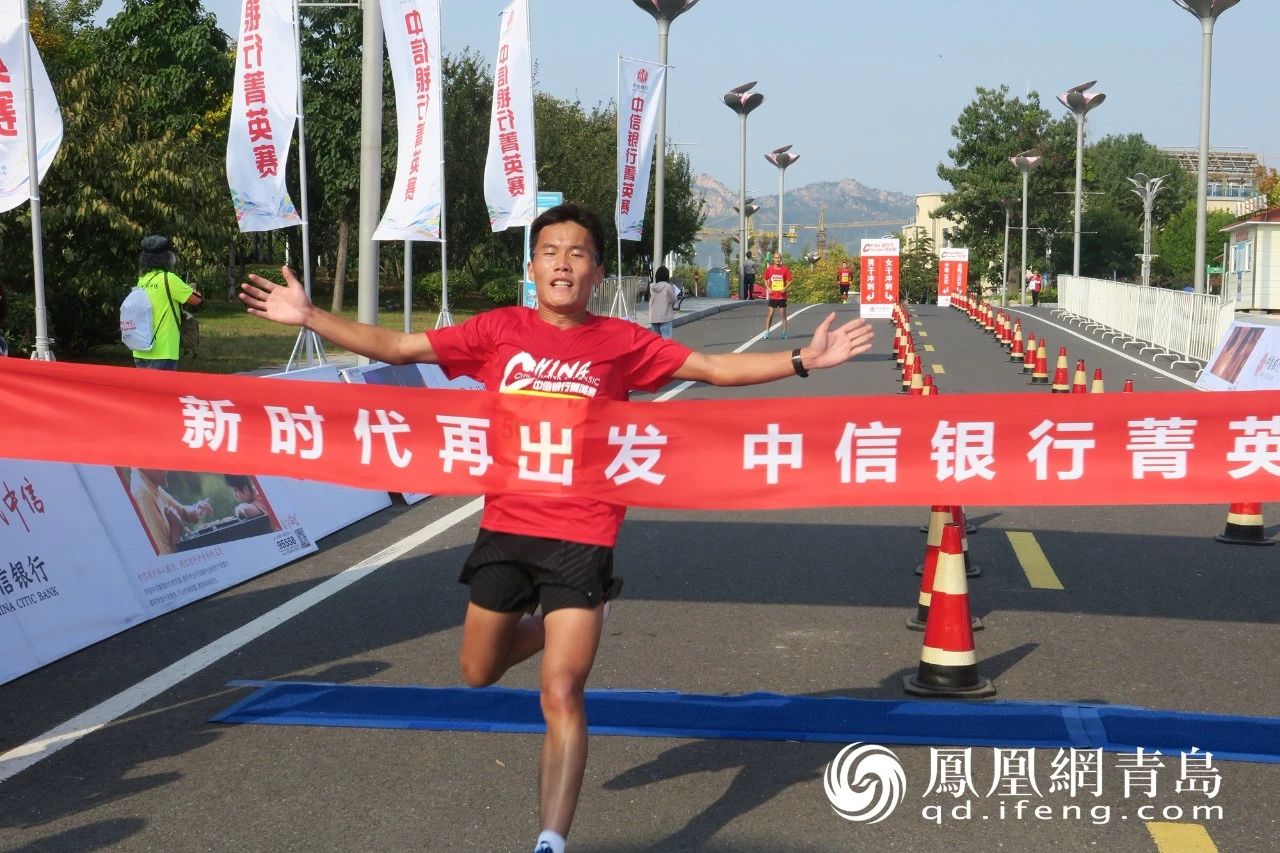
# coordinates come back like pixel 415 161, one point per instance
pixel 845 201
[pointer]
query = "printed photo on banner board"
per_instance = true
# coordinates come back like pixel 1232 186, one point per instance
pixel 185 535
pixel 880 278
pixel 1247 359
pixel 62 585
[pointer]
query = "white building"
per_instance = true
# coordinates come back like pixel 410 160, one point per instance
pixel 1253 262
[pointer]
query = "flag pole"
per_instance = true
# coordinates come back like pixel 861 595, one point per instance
pixel 43 350
pixel 444 318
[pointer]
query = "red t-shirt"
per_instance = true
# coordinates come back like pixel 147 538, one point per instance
pixel 777 278
pixel 513 351
pixel 845 276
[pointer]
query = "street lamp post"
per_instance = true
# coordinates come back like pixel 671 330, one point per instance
pixel 782 158
pixel 1025 163
pixel 1007 203
pixel 664 12
pixel 1146 189
pixel 1207 11
pixel 742 101
pixel 1080 101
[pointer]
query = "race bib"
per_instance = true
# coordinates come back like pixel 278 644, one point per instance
pixel 777 284
pixel 845 277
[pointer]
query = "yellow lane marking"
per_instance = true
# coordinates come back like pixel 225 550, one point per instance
pixel 928 347
pixel 1034 563
pixel 1181 837
pixel 937 368
pixel 922 333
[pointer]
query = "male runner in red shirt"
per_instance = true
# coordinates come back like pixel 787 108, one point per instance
pixel 844 278
pixel 556 552
pixel 777 280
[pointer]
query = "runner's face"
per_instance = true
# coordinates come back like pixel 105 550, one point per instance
pixel 564 269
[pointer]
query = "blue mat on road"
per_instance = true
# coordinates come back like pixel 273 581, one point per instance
pixel 766 716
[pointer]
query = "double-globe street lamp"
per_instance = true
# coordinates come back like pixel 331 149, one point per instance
pixel 1025 163
pixel 664 12
pixel 1207 11
pixel 1146 189
pixel 782 158
pixel 742 101
pixel 1080 101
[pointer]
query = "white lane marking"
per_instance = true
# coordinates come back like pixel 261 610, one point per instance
pixel 686 385
pixel 21 757
pixel 1118 352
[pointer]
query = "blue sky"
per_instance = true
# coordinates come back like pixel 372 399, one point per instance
pixel 869 89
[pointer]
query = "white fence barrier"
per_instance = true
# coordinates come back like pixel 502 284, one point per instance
pixel 1184 326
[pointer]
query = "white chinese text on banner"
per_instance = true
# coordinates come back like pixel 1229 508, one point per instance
pixel 510 172
pixel 15 173
pixel 264 107
pixel 413 47
pixel 879 289
pixel 640 87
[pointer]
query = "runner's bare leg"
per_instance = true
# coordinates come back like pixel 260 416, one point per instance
pixel 572 637
pixel 493 642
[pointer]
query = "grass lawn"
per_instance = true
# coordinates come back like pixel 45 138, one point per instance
pixel 233 342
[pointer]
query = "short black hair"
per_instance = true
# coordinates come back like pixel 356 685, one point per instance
pixel 239 481
pixel 157 253
pixel 576 213
pixel 662 274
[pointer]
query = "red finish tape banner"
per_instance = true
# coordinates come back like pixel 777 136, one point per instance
pixel 973 449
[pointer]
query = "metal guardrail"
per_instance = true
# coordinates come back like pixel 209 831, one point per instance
pixel 1183 326
pixel 605 299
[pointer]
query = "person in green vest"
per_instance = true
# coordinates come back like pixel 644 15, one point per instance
pixel 168 293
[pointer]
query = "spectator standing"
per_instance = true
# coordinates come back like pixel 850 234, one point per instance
pixel 662 302
pixel 748 277
pixel 1033 284
pixel 168 293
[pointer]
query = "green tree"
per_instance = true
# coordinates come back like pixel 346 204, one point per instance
pixel 1110 161
pixel 989 130
pixel 1175 245
pixel 918 272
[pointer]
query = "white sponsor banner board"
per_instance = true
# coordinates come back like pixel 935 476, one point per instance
pixel 62 585
pixel 264 107
pixel 1247 359
pixel 185 535
pixel 15 172
pixel 325 507
pixel 413 46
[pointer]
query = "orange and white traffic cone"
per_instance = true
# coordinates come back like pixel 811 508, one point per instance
pixel 959 519
pixel 916 389
pixel 1244 526
pixel 1078 380
pixel 948 660
pixel 1060 384
pixel 1016 352
pixel 928 390
pixel 1029 361
pixel 1128 386
pixel 1040 376
pixel 1097 387
pixel 939 517
pixel 909 369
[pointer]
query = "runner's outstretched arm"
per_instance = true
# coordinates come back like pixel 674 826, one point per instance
pixel 828 348
pixel 288 305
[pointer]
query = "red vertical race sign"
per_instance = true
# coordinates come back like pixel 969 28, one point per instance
pixel 953 274
pixel 878 291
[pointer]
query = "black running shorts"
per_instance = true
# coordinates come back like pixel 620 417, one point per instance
pixel 777 302
pixel 511 573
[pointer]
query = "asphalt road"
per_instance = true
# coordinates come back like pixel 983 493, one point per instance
pixel 1151 612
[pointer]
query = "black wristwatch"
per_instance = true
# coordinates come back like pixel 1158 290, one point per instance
pixel 797 363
